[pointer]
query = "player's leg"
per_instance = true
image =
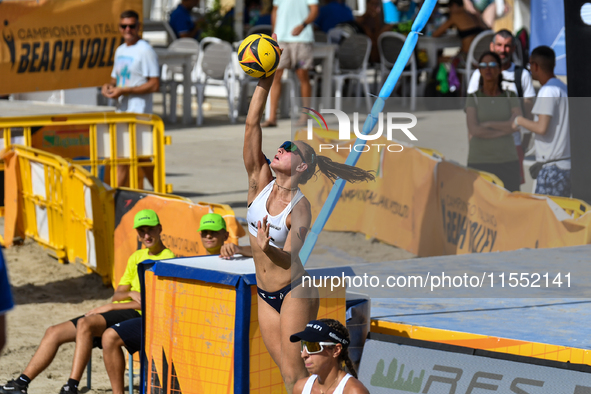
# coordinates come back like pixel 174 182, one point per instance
pixel 269 324
pixel 295 314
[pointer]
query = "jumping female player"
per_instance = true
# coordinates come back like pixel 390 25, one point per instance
pixel 324 345
pixel 276 206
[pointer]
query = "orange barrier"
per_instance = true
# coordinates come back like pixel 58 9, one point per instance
pixel 431 207
pixel 180 224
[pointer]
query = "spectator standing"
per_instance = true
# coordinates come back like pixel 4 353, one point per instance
pixel 183 23
pixel 490 113
pixel 516 79
pixel 551 126
pixel 135 74
pixel 292 22
pixel 128 334
pixel 86 330
pixel 6 302
pixel 134 78
pixel 333 13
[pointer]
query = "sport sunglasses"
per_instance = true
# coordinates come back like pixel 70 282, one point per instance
pixel 289 146
pixel 488 65
pixel 315 347
pixel 131 26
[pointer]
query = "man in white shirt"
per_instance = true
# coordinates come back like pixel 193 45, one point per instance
pixel 550 126
pixel 134 78
pixel 516 79
pixel 292 21
pixel 135 73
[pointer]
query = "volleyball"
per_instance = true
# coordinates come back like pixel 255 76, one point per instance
pixel 258 55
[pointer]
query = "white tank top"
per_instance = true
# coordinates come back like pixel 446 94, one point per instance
pixel 338 390
pixel 258 210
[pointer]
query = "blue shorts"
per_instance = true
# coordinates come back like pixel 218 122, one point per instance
pixel 130 331
pixel 553 181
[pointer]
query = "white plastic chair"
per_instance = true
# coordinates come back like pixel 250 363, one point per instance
pixel 172 76
pixel 389 45
pixel 353 56
pixel 260 29
pixel 215 66
pixel 480 45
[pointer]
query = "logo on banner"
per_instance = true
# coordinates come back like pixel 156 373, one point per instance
pixel 390 123
pixel 8 37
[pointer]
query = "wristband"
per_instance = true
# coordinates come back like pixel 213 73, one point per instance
pixel 304 24
pixel 515 121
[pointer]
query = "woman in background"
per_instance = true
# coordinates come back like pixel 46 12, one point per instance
pixel 490 113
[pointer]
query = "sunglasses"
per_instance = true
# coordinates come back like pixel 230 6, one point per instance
pixel 132 26
pixel 315 347
pixel 289 146
pixel 488 65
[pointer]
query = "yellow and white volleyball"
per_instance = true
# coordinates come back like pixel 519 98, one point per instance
pixel 258 55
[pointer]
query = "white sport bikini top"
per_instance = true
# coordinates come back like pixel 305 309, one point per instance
pixel 338 390
pixel 258 210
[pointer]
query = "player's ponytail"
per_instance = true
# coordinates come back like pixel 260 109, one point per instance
pixel 342 332
pixel 331 169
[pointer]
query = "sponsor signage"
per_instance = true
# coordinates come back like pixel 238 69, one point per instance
pixel 400 365
pixel 59 44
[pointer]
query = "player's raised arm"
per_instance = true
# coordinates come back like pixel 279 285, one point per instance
pixel 254 160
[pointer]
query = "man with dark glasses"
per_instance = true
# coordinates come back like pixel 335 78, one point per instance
pixel 136 72
pixel 134 78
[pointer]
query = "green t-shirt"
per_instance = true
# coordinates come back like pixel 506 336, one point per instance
pixel 130 277
pixel 490 109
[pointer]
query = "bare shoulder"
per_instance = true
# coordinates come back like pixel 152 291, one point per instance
pixel 303 206
pixel 299 386
pixel 354 386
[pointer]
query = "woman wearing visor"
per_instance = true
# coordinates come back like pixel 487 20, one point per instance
pixel 278 219
pixel 324 345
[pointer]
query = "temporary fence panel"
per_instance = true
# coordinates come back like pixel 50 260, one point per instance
pixel 62 206
pixel 98 141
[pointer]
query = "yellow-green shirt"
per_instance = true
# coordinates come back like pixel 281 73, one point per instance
pixel 130 277
pixel 498 108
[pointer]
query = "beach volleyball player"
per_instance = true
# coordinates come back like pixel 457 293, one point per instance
pixel 278 218
pixel 325 348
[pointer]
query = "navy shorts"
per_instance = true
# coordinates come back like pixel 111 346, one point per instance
pixel 112 318
pixel 130 332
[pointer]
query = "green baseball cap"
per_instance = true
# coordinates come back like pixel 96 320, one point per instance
pixel 212 222
pixel 146 217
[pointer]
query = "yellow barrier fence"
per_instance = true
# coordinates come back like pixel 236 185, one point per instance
pixel 99 141
pixel 60 205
